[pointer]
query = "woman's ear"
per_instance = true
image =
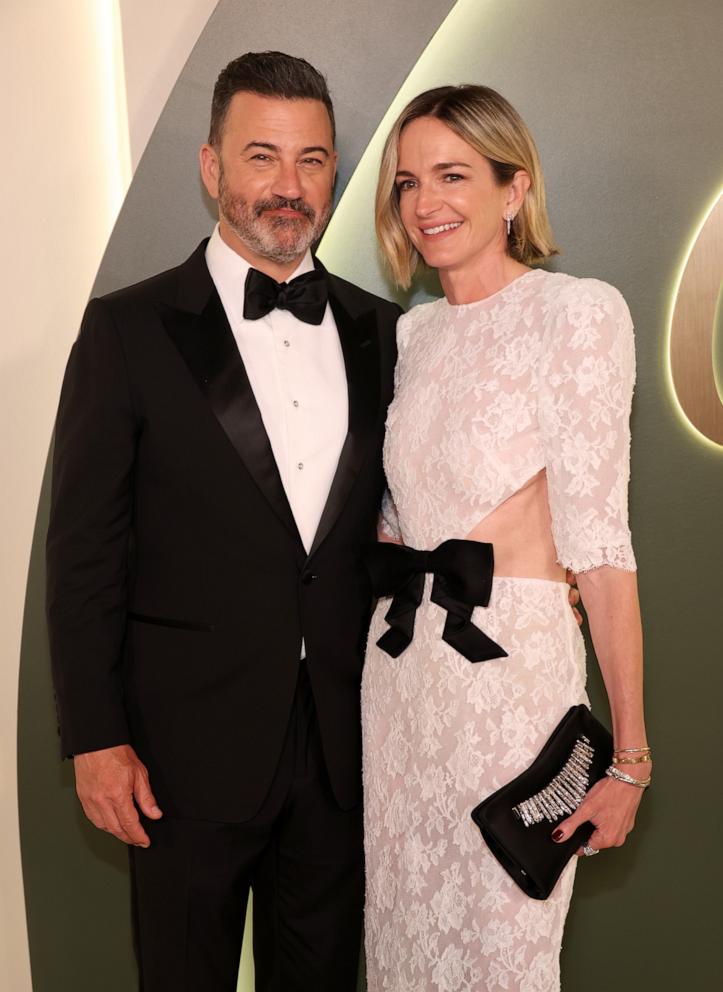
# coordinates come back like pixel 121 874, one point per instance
pixel 517 190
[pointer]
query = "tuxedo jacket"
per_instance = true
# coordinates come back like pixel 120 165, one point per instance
pixel 179 589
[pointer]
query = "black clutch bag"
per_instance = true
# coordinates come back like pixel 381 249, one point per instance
pixel 517 821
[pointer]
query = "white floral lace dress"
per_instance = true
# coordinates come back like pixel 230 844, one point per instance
pixel 540 375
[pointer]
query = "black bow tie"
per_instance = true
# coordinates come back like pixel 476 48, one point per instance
pixel 305 297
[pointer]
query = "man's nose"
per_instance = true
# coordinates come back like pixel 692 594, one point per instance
pixel 287 182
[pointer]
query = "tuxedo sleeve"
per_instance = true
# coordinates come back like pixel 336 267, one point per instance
pixel 88 537
pixel 388 524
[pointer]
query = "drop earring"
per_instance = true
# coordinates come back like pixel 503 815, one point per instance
pixel 508 218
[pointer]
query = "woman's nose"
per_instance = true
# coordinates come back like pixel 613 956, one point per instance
pixel 427 202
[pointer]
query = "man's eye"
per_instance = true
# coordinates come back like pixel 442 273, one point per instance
pixel 312 161
pixel 260 157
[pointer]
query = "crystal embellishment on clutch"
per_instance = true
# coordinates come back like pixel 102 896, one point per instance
pixel 564 793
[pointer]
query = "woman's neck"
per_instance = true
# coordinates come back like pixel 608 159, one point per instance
pixel 483 278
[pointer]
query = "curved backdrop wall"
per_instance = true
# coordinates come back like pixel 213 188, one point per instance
pixel 624 102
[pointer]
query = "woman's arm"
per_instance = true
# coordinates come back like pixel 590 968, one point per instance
pixel 586 387
pixel 610 597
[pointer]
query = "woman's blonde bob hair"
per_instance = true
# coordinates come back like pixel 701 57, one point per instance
pixel 492 126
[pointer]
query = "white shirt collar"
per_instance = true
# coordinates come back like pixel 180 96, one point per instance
pixel 229 269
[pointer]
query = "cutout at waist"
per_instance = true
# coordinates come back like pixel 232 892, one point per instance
pixel 520 530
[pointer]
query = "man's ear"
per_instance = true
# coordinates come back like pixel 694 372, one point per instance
pixel 210 169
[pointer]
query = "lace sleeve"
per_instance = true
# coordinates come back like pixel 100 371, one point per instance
pixel 587 377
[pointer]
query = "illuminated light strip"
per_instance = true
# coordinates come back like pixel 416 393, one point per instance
pixel 112 84
pixel 699 434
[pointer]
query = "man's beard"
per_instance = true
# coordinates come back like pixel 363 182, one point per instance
pixel 280 239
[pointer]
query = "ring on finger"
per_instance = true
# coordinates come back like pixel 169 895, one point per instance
pixel 589 851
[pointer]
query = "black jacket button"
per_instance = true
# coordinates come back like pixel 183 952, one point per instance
pixel 307 578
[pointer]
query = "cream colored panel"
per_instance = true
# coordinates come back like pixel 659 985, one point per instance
pixel 66 167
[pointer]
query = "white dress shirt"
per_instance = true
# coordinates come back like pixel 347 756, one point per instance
pixel 297 373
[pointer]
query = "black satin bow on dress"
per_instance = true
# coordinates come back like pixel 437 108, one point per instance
pixel 462 580
pixel 306 296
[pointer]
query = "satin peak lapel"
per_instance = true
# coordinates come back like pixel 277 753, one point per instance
pixel 360 347
pixel 209 349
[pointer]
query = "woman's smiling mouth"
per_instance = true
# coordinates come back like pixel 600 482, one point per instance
pixel 440 229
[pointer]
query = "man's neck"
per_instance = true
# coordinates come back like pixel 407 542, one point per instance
pixel 280 271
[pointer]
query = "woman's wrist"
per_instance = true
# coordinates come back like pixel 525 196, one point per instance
pixel 632 763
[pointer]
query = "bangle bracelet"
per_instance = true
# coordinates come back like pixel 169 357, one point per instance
pixel 631 750
pixel 640 760
pixel 639 783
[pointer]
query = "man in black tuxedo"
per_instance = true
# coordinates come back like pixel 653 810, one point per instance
pixel 217 469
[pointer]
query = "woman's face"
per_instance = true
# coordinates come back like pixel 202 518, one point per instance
pixel 451 206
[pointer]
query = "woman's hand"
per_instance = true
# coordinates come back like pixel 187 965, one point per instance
pixel 573 595
pixel 611 806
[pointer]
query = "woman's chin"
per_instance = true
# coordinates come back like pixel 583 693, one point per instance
pixel 437 257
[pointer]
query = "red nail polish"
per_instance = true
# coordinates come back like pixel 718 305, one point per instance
pixel 557 834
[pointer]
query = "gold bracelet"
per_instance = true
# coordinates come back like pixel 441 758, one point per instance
pixel 631 750
pixel 640 760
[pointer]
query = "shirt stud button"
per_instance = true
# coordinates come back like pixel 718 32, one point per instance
pixel 296 402
pixel 287 344
pixel 300 466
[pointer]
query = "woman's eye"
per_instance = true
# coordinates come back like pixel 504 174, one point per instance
pixel 404 185
pixel 452 177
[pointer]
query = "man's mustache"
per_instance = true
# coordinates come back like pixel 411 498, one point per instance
pixel 280 203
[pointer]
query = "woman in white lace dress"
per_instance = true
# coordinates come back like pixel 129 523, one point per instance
pixel 509 427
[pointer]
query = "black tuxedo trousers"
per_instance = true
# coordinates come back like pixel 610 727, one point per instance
pixel 301 854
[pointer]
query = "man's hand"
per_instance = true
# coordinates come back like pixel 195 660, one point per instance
pixel 573 596
pixel 107 782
